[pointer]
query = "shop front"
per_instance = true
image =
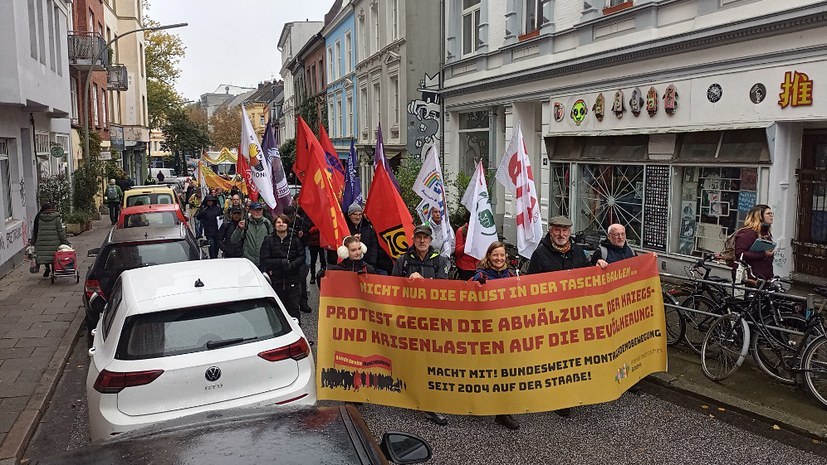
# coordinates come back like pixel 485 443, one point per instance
pixel 681 162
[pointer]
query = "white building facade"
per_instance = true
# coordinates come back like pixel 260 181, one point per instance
pixel 673 118
pixel 34 112
pixel 293 37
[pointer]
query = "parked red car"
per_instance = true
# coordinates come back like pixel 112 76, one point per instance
pixel 146 215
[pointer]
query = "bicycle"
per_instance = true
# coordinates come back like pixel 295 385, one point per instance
pixel 814 360
pixel 702 297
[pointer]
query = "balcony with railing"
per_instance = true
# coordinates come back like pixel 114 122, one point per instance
pixel 85 51
pixel 118 78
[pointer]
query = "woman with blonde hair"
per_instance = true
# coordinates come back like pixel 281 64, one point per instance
pixel 495 266
pixel 756 226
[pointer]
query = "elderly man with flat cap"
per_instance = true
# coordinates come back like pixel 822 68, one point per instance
pixel 557 252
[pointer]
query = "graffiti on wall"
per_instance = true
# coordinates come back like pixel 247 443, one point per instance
pixel 14 238
pixel 23 191
pixel 424 117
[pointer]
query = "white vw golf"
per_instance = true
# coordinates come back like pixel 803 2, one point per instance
pixel 189 337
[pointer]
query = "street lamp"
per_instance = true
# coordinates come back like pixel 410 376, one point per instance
pixel 89 78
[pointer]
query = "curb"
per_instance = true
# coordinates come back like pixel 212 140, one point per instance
pixel 757 411
pixel 18 437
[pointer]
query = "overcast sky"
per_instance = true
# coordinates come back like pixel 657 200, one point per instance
pixel 231 42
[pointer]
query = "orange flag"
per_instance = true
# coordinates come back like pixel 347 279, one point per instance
pixel 317 198
pixel 389 214
pixel 243 168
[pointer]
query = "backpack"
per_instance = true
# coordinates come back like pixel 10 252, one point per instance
pixel 728 252
pixel 112 193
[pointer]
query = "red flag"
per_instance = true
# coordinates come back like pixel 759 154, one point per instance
pixel 243 168
pixel 334 165
pixel 317 197
pixel 389 214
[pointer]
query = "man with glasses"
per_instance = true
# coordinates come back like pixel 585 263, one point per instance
pixel 557 252
pixel 613 249
pixel 421 261
pixel 235 201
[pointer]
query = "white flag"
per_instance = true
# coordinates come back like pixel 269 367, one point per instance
pixel 202 180
pixel 430 186
pixel 482 230
pixel 259 161
pixel 514 173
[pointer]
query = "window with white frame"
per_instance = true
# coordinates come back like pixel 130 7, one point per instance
pixel 377 104
pixel 394 19
pixel 474 140
pixel 59 19
pixel 364 116
pixel 363 38
pixel 51 20
pixel 374 12
pixel 331 118
pixel 95 113
pixel 105 110
pixel 394 102
pixel 349 122
pixel 32 30
pixel 616 2
pixel 330 65
pixel 5 179
pixel 73 87
pixel 470 26
pixel 42 144
pixel 348 53
pixel 533 15
pixel 339 62
pixel 339 131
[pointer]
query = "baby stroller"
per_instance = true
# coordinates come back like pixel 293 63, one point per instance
pixel 65 264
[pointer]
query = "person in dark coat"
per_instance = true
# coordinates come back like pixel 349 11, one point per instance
pixel 208 215
pixel 362 228
pixel 557 252
pixel 756 226
pixel 299 228
pixel 49 234
pixel 229 249
pixel 613 249
pixel 352 253
pixel 282 257
pixel 495 266
pixel 421 261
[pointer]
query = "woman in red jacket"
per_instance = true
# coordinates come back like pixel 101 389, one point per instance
pixel 756 226
pixel 466 264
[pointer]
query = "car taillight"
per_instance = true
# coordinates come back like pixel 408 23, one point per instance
pixel 91 286
pixel 297 351
pixel 110 382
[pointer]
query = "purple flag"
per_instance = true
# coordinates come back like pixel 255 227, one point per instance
pixel 379 157
pixel 353 187
pixel 270 146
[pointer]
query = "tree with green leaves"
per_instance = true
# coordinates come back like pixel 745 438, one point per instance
pixel 225 127
pixel 183 135
pixel 163 53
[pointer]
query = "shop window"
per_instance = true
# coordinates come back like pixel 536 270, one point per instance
pixel 611 194
pixel 714 203
pixel 560 182
pixel 474 140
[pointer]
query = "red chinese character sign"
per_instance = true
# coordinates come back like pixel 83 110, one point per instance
pixel 796 90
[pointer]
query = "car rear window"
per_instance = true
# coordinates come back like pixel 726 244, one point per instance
pixel 130 255
pixel 150 218
pixel 149 199
pixel 196 329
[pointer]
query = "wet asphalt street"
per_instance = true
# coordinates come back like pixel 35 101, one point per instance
pixel 654 427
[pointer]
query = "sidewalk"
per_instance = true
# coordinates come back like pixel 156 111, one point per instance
pixel 39 323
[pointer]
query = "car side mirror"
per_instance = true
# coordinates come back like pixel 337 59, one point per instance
pixel 401 448
pixel 97 303
pixel 93 252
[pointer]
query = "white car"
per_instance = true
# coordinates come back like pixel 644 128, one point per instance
pixel 190 337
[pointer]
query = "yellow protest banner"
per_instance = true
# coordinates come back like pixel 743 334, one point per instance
pixel 525 344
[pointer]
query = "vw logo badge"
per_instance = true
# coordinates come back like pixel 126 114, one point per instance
pixel 212 374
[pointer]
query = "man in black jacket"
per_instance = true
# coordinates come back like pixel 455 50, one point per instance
pixel 613 249
pixel 421 261
pixel 556 252
pixel 282 257
pixel 208 215
pixel 225 232
pixel 299 228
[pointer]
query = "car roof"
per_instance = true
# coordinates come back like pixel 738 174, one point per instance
pixel 147 234
pixel 193 284
pixel 158 207
pixel 308 435
pixel 149 188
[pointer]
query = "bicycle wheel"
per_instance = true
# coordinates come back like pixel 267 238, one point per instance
pixel 675 324
pixel 725 347
pixel 776 352
pixel 697 324
pixel 814 363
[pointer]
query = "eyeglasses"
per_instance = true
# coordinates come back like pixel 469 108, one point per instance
pixel 618 234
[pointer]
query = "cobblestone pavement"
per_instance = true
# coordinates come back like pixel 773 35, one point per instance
pixel 39 322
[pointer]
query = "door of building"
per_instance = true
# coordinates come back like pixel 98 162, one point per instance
pixel 810 245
